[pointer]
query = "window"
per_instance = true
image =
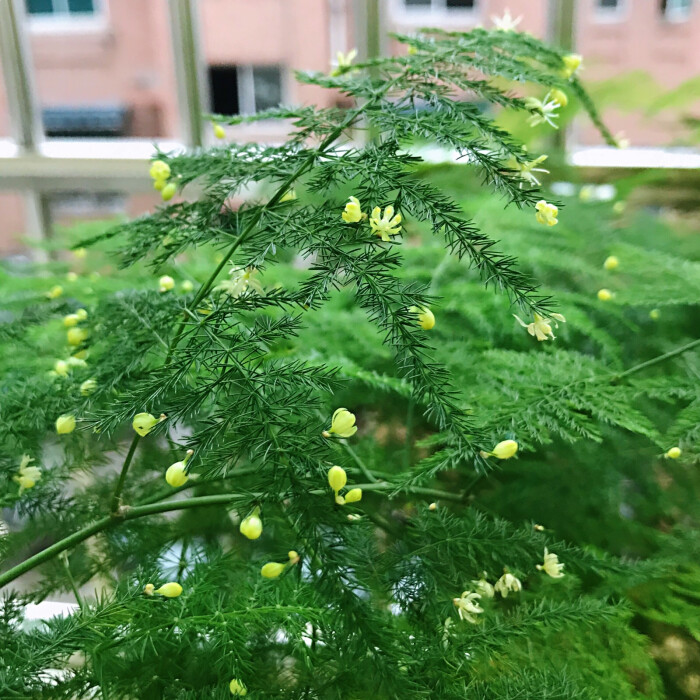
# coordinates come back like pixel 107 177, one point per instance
pixel 61 8
pixel 439 5
pixel 676 10
pixel 609 10
pixel 608 4
pixel 244 89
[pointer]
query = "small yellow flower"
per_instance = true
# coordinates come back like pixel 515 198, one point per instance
pixel 551 565
pixel 611 262
pixel 483 587
pixel 252 526
pixel 353 211
pixel 342 424
pixel 61 368
pixel 272 569
pixel 542 111
pixel 674 453
pixel 337 478
pixel 143 423
pixel 72 276
pixel 546 214
pixel 168 192
pixel 387 225
pixel 426 318
pixel 604 295
pixel 353 496
pixel 508 583
pixel 467 607
pixel 241 280
pixel 81 314
pixel 176 474
pixel 219 131
pixel 80 253
pixel 654 314
pixel 149 589
pixel 55 292
pixel 572 62
pixel 70 320
pixel 76 336
pixel 186 286
pixel 166 283
pixel 559 96
pixel 170 590
pixel 505 449
pixel 541 327
pixel 88 387
pixel 65 424
pixel 528 169
pixel 343 62
pixel 237 688
pixel 160 170
pixel 27 475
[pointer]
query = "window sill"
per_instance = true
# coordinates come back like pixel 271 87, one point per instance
pixel 56 26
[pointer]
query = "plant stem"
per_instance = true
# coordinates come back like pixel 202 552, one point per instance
pixel 64 558
pixel 657 360
pixel 363 467
pixel 117 497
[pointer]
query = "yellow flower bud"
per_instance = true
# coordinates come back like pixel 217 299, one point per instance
pixel 342 424
pixel 219 131
pixel 81 314
pixel 159 185
pixel 337 478
pixel 604 294
pixel 572 62
pixel 293 556
pixel 55 292
pixel 71 276
pixel 674 453
pixel 611 262
pixel 505 449
pixel 426 319
pixel 272 570
pixel 143 423
pixel 149 589
pixel 76 336
pixel 166 283
pixel 432 506
pixel 160 170
pixel 65 424
pixel 654 314
pixel 237 688
pixel 25 482
pixel 88 387
pixel 252 527
pixel 80 253
pixel 559 96
pixel 353 496
pixel 176 474
pixel 70 320
pixel 61 368
pixel 288 196
pixel 170 590
pixel 187 286
pixel 168 191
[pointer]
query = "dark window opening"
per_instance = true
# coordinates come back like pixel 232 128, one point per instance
pixel 223 88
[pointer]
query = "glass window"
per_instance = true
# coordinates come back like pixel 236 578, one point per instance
pixel 244 89
pixel 676 10
pixel 440 4
pixel 60 7
pixel 267 87
pixel 608 4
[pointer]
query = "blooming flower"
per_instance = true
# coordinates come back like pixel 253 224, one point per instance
pixel 55 292
pixel 551 565
pixel 88 387
pixel 342 424
pixel 353 211
pixel 467 606
pixel 272 569
pixel 506 23
pixel 252 526
pixel 65 425
pixel 27 475
pixel 343 62
pixel 170 590
pixel 572 62
pixel 483 587
pixel 387 225
pixel 611 262
pixel 546 213
pixel 604 295
pixel 237 688
pixel 674 453
pixel 241 280
pixel 176 474
pixel 528 169
pixel 541 327
pixel 353 496
pixel 542 111
pixel 508 583
pixel 143 423
pixel 166 283
pixel 426 318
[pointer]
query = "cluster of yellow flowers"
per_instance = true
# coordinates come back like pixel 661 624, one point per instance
pixel 160 173
pixel 383 225
pixel 75 335
pixel 27 475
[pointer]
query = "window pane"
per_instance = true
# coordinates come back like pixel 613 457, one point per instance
pixel 39 7
pixel 84 6
pixel 462 4
pixel 223 90
pixel 608 4
pixel 419 3
pixel 267 82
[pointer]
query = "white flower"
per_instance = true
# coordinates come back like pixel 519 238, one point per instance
pixel 241 281
pixel 467 606
pixel 483 587
pixel 506 23
pixel 551 565
pixel 541 327
pixel 527 170
pixel 508 583
pixel 542 111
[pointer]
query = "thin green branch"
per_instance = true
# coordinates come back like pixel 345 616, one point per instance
pixel 117 497
pixel 657 360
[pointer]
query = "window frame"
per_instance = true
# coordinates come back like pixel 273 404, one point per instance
pixel 676 15
pixel 437 12
pixel 610 15
pixel 247 103
pixel 67 22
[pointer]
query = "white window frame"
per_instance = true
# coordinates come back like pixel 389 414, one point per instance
pixel 246 87
pixel 605 15
pixel 677 13
pixel 438 12
pixel 64 21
